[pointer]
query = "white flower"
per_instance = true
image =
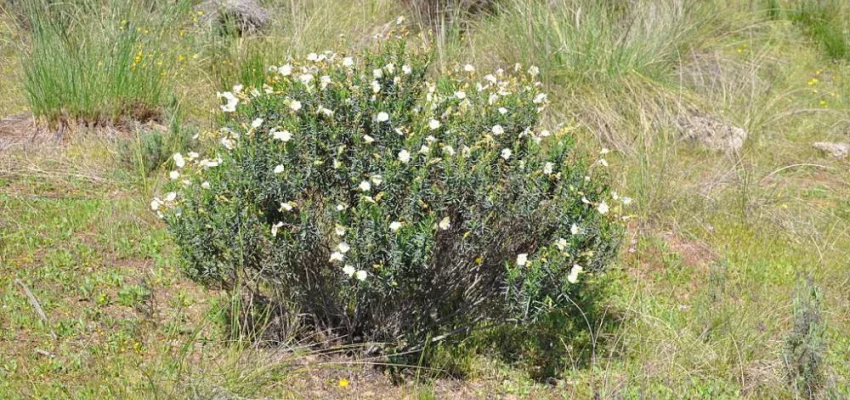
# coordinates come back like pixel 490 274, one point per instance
pixel 573 276
pixel 286 206
pixel 382 117
pixel 445 223
pixel 174 175
pixel 179 161
pixel 490 78
pixel 337 256
pixel 285 70
pixel 404 156
pixel 376 87
pixel 390 68
pixel 503 110
pixel 497 130
pixel 574 229
pixel 275 228
pixel 368 139
pixel 395 226
pixel 205 185
pixel 227 143
pixel 256 123
pixel 424 149
pixel 521 259
pixel 602 208
pixel 278 169
pixel 295 105
pixel 603 162
pixel 312 57
pixel 305 79
pixel 469 68
pixel 540 98
pixel 171 196
pixel 506 154
pixel 627 200
pixel 362 275
pixel 232 101
pixel 547 168
pixel 347 62
pixel 430 139
pixel 460 94
pixel 210 163
pixel 341 207
pixel 604 151
pixel 326 111
pixel 155 203
pixel 434 124
pixel 533 71
pixel 545 133
pixel 192 156
pixel 377 73
pixel 343 247
pixel 365 186
pixel 348 270
pixel 561 244
pixel 449 150
pixel 283 135
pixel 406 69
pixel 377 179
pixel 324 81
pixel 339 230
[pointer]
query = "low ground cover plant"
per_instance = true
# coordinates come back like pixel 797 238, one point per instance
pixel 386 206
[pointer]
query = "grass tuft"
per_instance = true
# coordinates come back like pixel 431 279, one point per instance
pixel 96 62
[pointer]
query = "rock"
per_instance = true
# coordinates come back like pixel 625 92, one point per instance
pixel 837 150
pixel 711 132
pixel 247 17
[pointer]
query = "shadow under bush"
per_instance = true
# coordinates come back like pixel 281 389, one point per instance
pixel 385 208
pixel 555 341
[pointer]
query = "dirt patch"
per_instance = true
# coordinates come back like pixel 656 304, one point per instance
pixel 693 253
pixel 21 131
pixel 25 132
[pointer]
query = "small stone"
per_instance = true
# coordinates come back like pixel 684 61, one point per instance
pixel 711 132
pixel 837 150
pixel 246 16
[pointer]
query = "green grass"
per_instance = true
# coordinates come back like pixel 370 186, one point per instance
pixel 824 20
pixel 704 302
pixel 96 62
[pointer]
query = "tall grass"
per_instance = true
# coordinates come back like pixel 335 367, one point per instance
pixel 95 61
pixel 580 41
pixel 611 65
pixel 824 20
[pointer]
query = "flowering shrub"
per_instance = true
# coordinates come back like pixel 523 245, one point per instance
pixel 388 207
